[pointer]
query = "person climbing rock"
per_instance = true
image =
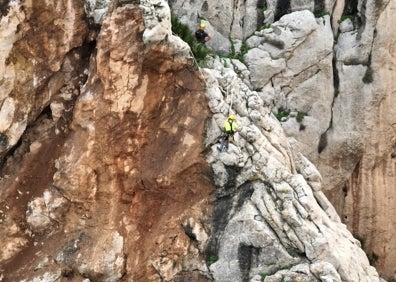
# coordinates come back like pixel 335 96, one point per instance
pixel 201 35
pixel 229 128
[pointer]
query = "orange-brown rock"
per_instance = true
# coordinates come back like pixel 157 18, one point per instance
pixel 40 36
pixel 132 168
pixel 104 174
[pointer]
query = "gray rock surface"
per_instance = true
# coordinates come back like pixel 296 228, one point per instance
pixel 45 212
pixel 239 19
pixel 273 218
pixel 298 56
pixel 278 222
pixel 96 10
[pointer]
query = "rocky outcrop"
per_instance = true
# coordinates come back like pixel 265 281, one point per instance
pixel 40 41
pixel 328 82
pixel 41 61
pixel 278 224
pixel 356 151
pixel 231 22
pixel 120 190
pixel 109 163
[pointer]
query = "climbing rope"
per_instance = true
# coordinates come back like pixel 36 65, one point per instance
pixel 205 81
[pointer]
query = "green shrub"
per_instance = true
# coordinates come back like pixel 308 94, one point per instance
pixel 344 17
pixel 321 14
pixel 211 260
pixel 200 51
pixel 244 47
pixel 282 113
pixel 244 50
pixel 239 56
pixel 289 266
pixel 232 46
pixel 265 26
pixel 300 116
pixel 224 60
pixel 263 275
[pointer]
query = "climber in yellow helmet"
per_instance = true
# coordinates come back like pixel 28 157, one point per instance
pixel 201 35
pixel 229 128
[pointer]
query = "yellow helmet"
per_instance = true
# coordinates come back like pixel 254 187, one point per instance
pixel 231 117
pixel 202 25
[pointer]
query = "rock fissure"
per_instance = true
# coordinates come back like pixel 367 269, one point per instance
pixel 123 145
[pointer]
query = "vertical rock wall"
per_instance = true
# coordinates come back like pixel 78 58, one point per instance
pixel 276 223
pixel 104 172
pixel 122 188
pixel 362 139
pixel 36 36
pixel 138 153
pixel 331 83
pixel 371 190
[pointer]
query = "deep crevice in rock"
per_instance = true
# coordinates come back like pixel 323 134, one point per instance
pixel 260 15
pixel 322 142
pixel 319 6
pixel 351 7
pixel 4 7
pixel 8 154
pixel 323 139
pixel 282 8
pixel 245 260
pixel 45 114
pixel 220 215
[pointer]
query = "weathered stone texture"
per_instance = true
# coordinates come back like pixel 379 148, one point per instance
pixel 39 35
pixel 276 218
pixel 104 168
pixel 129 167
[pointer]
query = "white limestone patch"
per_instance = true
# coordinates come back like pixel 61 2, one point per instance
pixel 286 201
pixel 7 111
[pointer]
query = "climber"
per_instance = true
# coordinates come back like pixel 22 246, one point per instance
pixel 201 35
pixel 230 127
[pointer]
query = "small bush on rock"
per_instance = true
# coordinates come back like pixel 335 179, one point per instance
pixel 199 50
pixel 300 116
pixel 345 17
pixel 211 260
pixel 282 114
pixel 321 14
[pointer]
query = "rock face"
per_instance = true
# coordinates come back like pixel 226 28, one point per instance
pixel 39 41
pixel 370 189
pixel 278 224
pixel 122 190
pixel 108 135
pixel 330 83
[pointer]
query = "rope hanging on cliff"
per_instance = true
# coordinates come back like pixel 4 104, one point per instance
pixel 206 84
pixel 231 86
pixel 199 68
pixel 230 107
pixel 195 63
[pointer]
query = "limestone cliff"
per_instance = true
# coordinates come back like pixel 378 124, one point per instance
pixel 108 135
pixel 329 76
